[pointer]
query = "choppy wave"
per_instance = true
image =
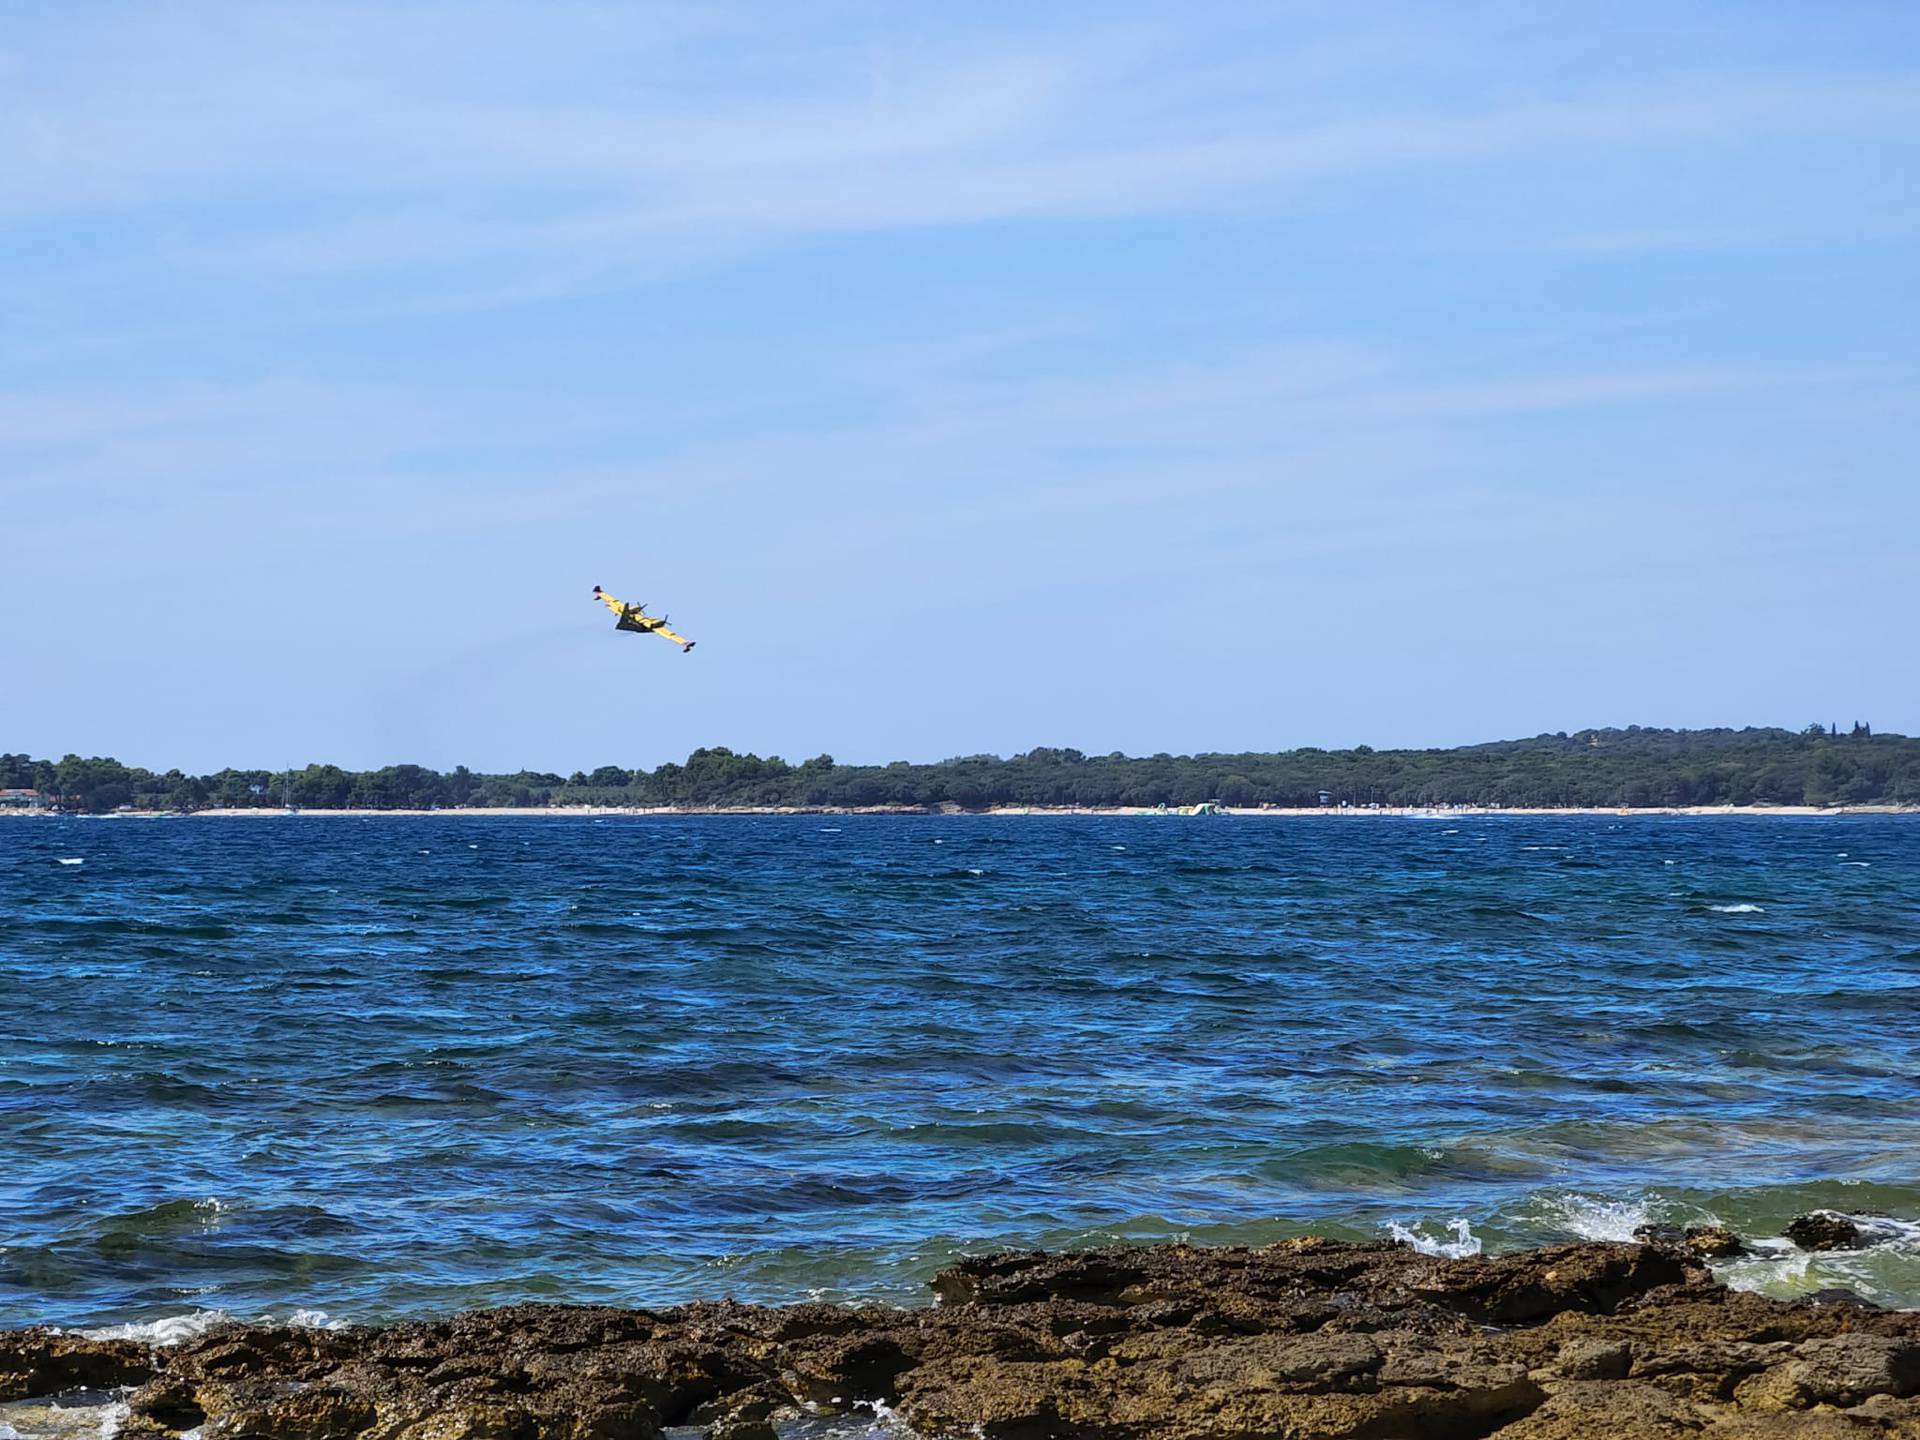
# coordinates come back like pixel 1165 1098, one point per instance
pixel 643 1062
pixel 1592 1217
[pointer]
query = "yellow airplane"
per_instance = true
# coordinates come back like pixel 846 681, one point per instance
pixel 635 618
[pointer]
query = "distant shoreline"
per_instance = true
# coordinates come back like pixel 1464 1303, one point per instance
pixel 1693 771
pixel 1329 812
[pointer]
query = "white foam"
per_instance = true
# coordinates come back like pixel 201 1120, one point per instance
pixel 1773 1267
pixel 1588 1217
pixel 1885 1230
pixel 1743 908
pixel 169 1330
pixel 177 1329
pixel 112 1417
pixel 307 1319
pixel 888 1420
pixel 1463 1243
pixel 1778 1267
pixel 71 860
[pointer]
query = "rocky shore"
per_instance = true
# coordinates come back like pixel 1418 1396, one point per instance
pixel 1310 1338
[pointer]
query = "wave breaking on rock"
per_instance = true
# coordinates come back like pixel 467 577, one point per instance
pixel 1308 1338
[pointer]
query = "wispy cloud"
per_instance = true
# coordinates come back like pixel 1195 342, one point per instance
pixel 279 147
pixel 996 143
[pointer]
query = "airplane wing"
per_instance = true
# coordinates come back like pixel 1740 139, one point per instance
pixel 618 608
pixel 680 640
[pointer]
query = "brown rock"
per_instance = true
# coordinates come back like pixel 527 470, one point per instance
pixel 1707 1242
pixel 1713 1242
pixel 46 1362
pixel 1846 1369
pixel 1302 1340
pixel 1823 1230
pixel 1596 1359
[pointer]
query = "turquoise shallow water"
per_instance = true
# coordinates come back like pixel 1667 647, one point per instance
pixel 371 1067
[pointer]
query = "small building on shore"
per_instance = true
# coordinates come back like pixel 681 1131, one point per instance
pixel 19 800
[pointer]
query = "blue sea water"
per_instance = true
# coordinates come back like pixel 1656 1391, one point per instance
pixel 374 1067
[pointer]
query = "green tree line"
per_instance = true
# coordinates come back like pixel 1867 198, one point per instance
pixel 1634 767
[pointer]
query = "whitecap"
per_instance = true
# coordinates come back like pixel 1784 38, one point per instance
pixel 1463 1243
pixel 71 860
pixel 976 872
pixel 1742 908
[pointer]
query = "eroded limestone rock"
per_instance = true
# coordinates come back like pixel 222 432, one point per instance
pixel 1310 1338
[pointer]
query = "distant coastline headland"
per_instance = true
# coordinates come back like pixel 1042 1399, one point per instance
pixel 1753 770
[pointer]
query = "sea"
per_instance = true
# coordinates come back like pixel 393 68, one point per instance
pixel 328 1069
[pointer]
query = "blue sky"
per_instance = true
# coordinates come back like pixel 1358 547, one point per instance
pixel 963 378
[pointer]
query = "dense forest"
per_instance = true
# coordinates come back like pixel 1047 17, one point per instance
pixel 1631 767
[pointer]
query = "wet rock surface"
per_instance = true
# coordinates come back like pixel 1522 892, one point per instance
pixel 1823 1230
pixel 1310 1338
pixel 1709 1242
